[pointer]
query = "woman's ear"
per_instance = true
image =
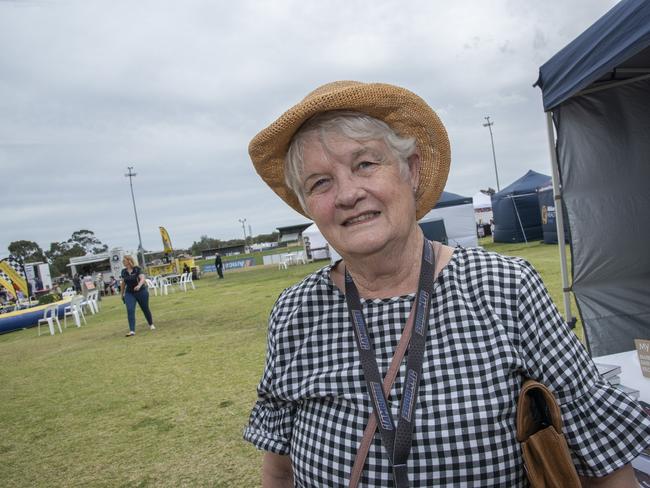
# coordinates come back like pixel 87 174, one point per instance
pixel 413 162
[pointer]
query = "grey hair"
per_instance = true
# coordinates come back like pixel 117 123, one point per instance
pixel 354 125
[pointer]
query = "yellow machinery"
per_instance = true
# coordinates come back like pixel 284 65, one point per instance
pixel 173 265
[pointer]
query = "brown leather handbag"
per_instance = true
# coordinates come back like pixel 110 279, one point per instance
pixel 539 430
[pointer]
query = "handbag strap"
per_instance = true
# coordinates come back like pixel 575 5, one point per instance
pixel 389 379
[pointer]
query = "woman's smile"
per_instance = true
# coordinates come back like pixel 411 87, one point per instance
pixel 361 218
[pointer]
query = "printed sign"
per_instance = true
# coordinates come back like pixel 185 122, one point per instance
pixel 238 263
pixel 643 350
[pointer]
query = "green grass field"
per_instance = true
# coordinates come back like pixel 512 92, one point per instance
pixel 165 408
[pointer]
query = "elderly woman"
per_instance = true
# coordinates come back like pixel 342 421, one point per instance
pixel 365 161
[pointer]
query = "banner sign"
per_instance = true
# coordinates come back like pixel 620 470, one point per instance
pixel 238 263
pixel 11 268
pixel 167 242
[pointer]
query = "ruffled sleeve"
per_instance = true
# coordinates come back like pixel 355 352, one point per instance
pixel 271 421
pixel 605 429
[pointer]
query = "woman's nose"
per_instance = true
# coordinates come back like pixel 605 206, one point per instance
pixel 348 193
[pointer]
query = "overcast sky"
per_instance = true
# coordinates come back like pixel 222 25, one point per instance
pixel 178 89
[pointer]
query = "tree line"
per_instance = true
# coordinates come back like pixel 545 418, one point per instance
pixel 80 243
pixel 205 242
pixel 83 242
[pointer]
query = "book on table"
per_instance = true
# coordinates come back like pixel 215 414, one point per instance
pixel 608 370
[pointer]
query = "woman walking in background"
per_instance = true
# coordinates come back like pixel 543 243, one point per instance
pixel 134 289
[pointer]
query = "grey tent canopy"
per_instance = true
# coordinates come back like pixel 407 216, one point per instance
pixel 516 209
pixel 596 93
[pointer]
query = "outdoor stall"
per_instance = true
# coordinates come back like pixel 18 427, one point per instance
pixel 596 94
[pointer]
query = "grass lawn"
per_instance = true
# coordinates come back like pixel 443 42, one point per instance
pixel 164 408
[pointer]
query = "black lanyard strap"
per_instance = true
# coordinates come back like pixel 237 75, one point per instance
pixel 396 440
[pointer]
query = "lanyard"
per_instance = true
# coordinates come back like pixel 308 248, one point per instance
pixel 396 439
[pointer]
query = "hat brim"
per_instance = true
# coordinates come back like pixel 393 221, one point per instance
pixel 406 113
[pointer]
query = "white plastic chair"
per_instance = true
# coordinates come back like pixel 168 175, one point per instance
pixel 68 293
pixel 190 280
pixel 93 298
pixel 74 310
pixel 182 283
pixel 283 263
pixel 91 302
pixel 301 258
pixel 50 315
pixel 164 285
pixel 152 285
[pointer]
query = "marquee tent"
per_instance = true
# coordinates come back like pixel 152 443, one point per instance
pixel 316 247
pixel 458 215
pixel 516 209
pixel 596 94
pixel 482 208
pixel 481 200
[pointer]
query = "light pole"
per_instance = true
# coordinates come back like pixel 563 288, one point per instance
pixel 130 175
pixel 243 226
pixel 489 125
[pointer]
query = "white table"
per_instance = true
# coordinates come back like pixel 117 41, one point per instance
pixel 631 374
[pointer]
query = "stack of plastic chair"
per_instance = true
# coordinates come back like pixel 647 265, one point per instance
pixel 93 301
pixel 50 315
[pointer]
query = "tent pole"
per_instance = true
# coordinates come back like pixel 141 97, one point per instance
pixel 559 218
pixel 521 226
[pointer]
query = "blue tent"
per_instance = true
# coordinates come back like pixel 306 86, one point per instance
pixel 614 48
pixel 448 199
pixel 457 212
pixel 516 209
pixel 596 94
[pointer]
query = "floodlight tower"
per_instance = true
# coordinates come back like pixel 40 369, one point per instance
pixel 130 175
pixel 489 125
pixel 243 226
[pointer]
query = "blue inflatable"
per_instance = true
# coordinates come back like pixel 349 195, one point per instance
pixel 28 317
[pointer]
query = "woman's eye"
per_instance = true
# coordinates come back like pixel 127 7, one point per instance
pixel 365 164
pixel 318 184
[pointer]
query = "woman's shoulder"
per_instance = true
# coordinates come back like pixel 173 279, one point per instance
pixel 475 259
pixel 314 286
pixel 478 267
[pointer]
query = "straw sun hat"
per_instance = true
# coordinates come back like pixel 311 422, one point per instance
pixel 406 113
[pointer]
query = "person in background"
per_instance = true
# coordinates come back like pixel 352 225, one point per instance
pixel 219 265
pixel 112 286
pixel 76 283
pixel 365 161
pixel 186 268
pixel 99 285
pixel 134 290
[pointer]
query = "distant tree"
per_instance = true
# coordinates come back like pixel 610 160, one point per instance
pixel 28 251
pixel 203 244
pixel 272 237
pixel 233 242
pixel 87 240
pixel 59 256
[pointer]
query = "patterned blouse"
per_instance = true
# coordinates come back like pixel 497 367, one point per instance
pixel 491 322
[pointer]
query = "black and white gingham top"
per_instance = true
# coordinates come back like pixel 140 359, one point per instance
pixel 492 321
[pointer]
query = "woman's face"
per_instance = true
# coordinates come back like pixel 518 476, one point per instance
pixel 357 193
pixel 126 263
